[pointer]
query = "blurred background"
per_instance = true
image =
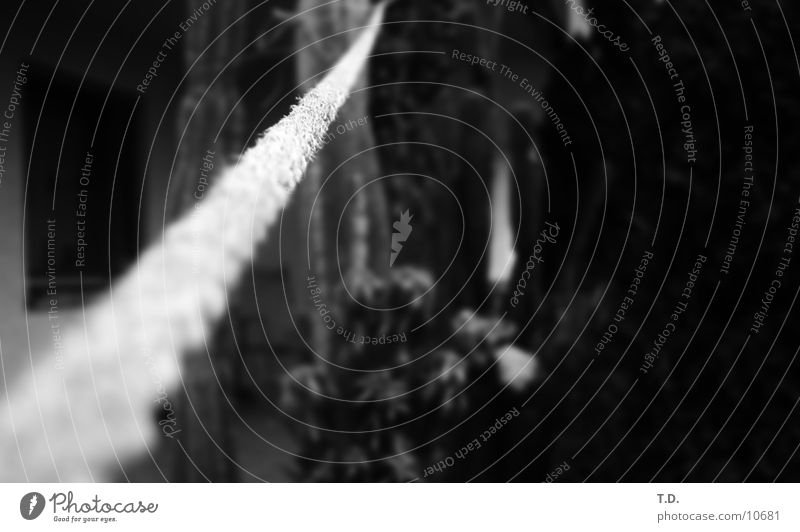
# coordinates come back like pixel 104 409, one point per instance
pixel 470 236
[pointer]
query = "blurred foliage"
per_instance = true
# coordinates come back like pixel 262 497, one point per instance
pixel 632 185
pixel 374 411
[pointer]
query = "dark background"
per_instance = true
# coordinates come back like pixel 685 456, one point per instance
pixel 279 398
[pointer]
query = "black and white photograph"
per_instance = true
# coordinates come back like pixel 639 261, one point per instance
pixel 343 243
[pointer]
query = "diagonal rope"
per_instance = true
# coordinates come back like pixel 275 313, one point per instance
pixel 123 361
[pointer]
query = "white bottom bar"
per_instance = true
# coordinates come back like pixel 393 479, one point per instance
pixel 401 507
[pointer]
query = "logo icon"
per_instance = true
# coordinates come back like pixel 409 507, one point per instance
pixel 402 229
pixel 31 505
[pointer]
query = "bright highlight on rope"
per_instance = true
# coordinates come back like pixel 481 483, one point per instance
pixel 78 423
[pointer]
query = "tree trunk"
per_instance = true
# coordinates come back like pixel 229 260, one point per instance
pixel 205 435
pixel 348 232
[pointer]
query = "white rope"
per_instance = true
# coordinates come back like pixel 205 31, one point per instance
pixel 77 423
